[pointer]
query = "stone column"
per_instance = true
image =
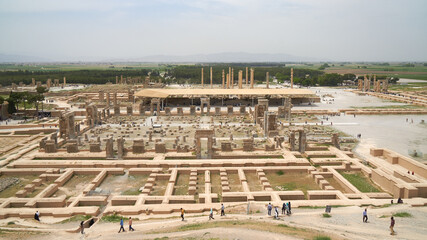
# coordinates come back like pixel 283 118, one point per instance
pixel 247 77
pixel 109 148
pixel 202 77
pixel 108 99
pixel 115 98
pixel 267 79
pixel 240 79
pixel 228 80
pixel 292 78
pixel 198 148
pixel 65 81
pixel 229 77
pixel 302 142
pixel 252 78
pixel 223 79
pixel 117 79
pixel 211 78
pixel 120 148
pixel 292 141
pixel 33 82
pixel 335 140
pixel 121 79
pixel 232 78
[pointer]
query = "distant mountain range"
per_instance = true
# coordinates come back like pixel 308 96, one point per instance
pixel 215 57
pixel 224 57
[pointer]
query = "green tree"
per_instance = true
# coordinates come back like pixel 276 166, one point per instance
pixel 1 100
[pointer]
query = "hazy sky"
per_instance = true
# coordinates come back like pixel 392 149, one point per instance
pixel 361 30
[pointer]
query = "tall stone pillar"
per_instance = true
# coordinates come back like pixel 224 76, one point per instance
pixel 120 148
pixel 121 79
pixel 335 140
pixel 65 81
pixel 109 148
pixel 33 82
pixel 211 78
pixel 115 98
pixel 267 79
pixel 223 78
pixel 229 77
pixel 292 141
pixel 228 80
pixel 108 99
pixel 240 79
pixel 302 142
pixel 252 78
pixel 232 78
pixel 292 78
pixel 247 77
pixel 202 77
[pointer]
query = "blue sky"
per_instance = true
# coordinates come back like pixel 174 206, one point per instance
pixel 341 30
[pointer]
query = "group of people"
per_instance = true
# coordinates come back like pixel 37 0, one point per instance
pixel 122 223
pixel 286 209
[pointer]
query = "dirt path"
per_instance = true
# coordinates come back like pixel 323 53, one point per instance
pixel 345 223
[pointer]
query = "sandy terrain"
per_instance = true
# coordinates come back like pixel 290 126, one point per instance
pixel 345 223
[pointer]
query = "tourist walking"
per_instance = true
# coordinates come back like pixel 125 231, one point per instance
pixel 289 207
pixel 82 227
pixel 365 215
pixel 182 214
pixel 37 216
pixel 284 208
pixel 222 210
pixel 392 226
pixel 269 207
pixel 121 226
pixel 130 224
pixel 276 212
pixel 211 215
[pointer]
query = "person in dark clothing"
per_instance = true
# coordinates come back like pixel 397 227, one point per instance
pixel 392 226
pixel 82 227
pixel 289 206
pixel 37 216
pixel 284 208
pixel 222 210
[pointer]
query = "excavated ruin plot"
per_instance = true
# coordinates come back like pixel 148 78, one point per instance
pixel 74 186
pixel 181 184
pixel 13 186
pixel 234 182
pixel 253 181
pixel 290 181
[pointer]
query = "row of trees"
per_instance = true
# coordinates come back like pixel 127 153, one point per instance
pixel 16 99
pixel 77 76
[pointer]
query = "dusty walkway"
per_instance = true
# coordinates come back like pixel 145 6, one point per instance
pixel 345 223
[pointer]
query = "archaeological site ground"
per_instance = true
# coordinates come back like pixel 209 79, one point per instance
pixel 139 148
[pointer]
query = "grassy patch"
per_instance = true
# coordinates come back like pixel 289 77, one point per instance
pixel 77 218
pixel 113 218
pixel 326 215
pixel 402 214
pixel 321 238
pixel 280 173
pixel 132 191
pixel 360 182
pixel 247 224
